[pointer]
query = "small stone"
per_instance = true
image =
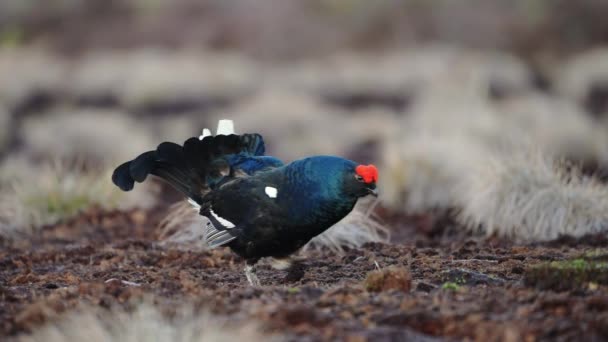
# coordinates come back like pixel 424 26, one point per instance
pixel 51 286
pixel 425 287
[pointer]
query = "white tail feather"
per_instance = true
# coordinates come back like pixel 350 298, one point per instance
pixel 206 133
pixel 225 127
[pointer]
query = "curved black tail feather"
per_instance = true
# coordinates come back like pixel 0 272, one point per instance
pixel 188 168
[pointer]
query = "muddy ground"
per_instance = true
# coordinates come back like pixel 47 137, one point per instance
pixel 452 286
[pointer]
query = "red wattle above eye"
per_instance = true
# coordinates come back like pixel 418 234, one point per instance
pixel 368 172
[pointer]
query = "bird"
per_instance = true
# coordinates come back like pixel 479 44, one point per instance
pixel 255 204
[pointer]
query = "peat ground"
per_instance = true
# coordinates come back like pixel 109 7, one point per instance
pixel 455 287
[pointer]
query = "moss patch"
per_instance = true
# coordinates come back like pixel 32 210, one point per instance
pixel 461 276
pixel 451 286
pixel 599 254
pixel 567 274
pixel 293 290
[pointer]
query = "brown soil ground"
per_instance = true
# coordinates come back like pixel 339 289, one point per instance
pixel 87 258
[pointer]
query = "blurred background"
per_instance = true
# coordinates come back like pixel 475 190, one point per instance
pixel 462 104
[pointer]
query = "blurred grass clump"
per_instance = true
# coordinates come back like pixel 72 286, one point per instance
pixel 466 107
pixel 147 320
pixel 51 193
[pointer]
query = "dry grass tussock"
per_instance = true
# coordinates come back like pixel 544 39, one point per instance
pixel 99 136
pixel 402 72
pixel 29 72
pixel 175 128
pixel 356 229
pixel 145 323
pixel 184 227
pixel 576 77
pixel 442 141
pixel 297 125
pixel 454 132
pixel 421 172
pixel 436 146
pixel 133 79
pixel 531 197
pixel 149 76
pixel 35 195
pixel 5 127
pixel 557 126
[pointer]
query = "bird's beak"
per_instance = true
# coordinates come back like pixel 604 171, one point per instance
pixel 373 191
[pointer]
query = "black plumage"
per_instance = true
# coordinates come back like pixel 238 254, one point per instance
pixel 255 204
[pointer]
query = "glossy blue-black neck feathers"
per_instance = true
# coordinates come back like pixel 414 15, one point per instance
pixel 315 188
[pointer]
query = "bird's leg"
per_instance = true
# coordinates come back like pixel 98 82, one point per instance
pixel 294 268
pixel 252 278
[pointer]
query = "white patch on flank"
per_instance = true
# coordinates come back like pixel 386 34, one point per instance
pixel 206 133
pixel 194 204
pixel 271 192
pixel 222 221
pixel 225 127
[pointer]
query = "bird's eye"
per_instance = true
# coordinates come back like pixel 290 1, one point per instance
pixel 359 178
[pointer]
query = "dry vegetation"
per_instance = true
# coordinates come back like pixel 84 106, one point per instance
pixel 144 322
pixel 492 222
pixel 467 148
pixel 533 198
pixel 34 196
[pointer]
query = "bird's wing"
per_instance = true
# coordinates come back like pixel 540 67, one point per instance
pixel 240 204
pixel 219 231
pixel 199 165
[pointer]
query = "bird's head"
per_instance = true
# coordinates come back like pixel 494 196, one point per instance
pixel 362 181
pixel 359 180
pixel 340 177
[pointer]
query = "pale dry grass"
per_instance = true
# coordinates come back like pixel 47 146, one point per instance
pixel 440 156
pixel 28 72
pixel 356 229
pixel 145 323
pixel 97 135
pixel 183 227
pixel 435 146
pixel 143 77
pixel 297 125
pixel 556 125
pixel 453 129
pixel 293 125
pixel 403 71
pixel 176 128
pixel 529 196
pixel 422 173
pixel 575 77
pixel 33 195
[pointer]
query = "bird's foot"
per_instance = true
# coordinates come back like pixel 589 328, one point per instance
pixel 252 278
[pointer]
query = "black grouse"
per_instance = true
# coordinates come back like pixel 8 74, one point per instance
pixel 255 204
